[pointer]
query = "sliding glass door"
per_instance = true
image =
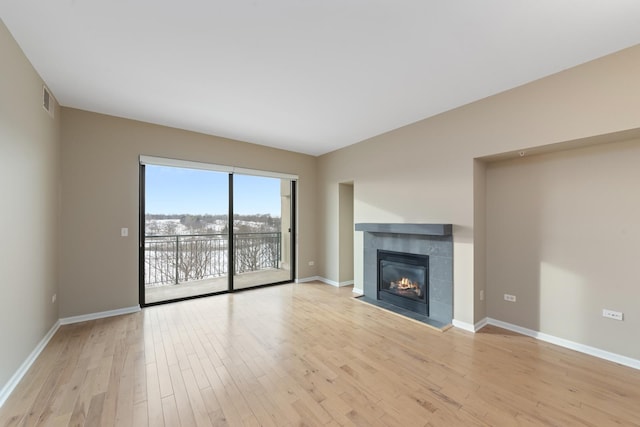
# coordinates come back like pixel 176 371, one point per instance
pixel 188 246
pixel 186 233
pixel 262 230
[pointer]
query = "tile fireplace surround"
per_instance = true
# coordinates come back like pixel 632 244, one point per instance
pixel 434 240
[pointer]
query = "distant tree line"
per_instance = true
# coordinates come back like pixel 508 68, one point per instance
pixel 206 217
pixel 201 223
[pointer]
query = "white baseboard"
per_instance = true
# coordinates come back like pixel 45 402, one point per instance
pixel 468 326
pixel 572 345
pixel 329 282
pixel 463 325
pixel 481 324
pixel 357 291
pixel 22 370
pixel 309 279
pixel 325 280
pixel 99 315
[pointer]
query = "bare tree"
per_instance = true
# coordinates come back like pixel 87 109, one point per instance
pixel 197 255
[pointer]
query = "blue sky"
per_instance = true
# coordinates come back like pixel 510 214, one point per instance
pixel 172 190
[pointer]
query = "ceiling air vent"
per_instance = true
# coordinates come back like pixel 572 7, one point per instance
pixel 47 101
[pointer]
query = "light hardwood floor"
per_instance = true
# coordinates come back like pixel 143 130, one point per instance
pixel 310 354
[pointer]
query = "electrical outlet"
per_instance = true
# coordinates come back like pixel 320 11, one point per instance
pixel 124 232
pixel 510 298
pixel 53 298
pixel 312 263
pixel 615 315
pixel 482 295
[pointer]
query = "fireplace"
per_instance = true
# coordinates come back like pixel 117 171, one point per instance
pixel 430 263
pixel 403 280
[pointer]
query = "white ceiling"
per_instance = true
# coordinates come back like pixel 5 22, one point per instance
pixel 305 75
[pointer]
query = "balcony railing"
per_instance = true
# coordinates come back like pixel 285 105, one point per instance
pixel 173 259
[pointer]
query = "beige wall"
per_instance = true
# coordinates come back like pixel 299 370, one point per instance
pixel 425 172
pixel 99 269
pixel 563 236
pixel 29 193
pixel 479 239
pixel 345 233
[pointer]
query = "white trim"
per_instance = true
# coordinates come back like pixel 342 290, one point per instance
pixel 99 315
pixel 177 163
pixel 463 325
pixel 317 279
pixel 481 324
pixel 325 281
pixel 592 351
pixel 8 388
pixel 269 174
pixel 309 279
pixel 329 282
pixel 357 291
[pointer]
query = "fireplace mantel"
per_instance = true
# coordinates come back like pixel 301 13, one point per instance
pixel 403 228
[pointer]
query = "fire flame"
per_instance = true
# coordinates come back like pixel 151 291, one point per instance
pixel 405 284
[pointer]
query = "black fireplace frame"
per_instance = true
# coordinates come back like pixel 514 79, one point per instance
pixel 418 306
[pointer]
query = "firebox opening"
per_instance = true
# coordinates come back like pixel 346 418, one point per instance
pixel 403 280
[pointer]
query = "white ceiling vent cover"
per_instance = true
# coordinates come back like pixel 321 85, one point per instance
pixel 47 101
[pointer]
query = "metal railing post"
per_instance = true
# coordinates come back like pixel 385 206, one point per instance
pixel 177 255
pixel 252 252
pixel 279 253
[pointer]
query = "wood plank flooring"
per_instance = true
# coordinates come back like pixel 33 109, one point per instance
pixel 310 354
